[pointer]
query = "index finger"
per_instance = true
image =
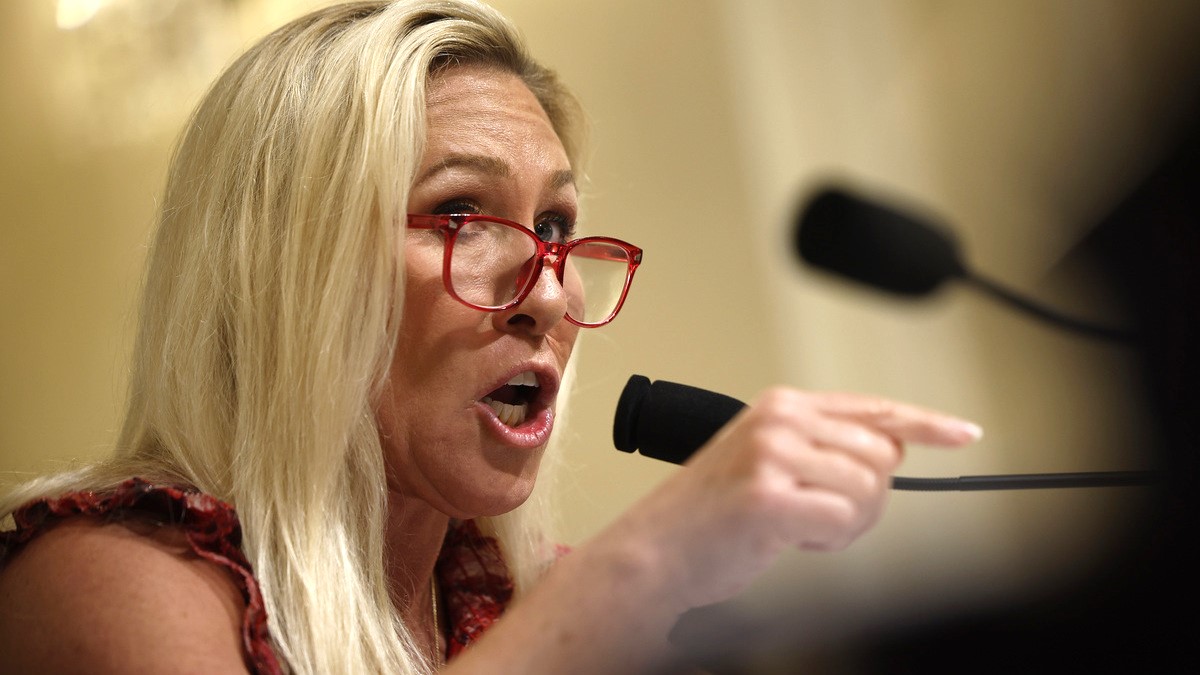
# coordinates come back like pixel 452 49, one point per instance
pixel 903 421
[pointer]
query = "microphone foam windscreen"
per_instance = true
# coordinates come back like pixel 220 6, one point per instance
pixel 669 421
pixel 875 245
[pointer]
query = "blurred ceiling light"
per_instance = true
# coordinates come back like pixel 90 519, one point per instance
pixel 72 14
pixel 127 71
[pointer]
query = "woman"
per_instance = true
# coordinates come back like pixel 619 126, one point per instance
pixel 326 404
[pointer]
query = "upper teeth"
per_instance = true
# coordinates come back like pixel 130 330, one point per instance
pixel 525 379
pixel 513 414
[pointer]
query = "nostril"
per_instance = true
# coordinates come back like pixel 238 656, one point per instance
pixel 522 320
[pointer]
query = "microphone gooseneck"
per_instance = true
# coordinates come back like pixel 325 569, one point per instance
pixel 670 422
pixel 897 252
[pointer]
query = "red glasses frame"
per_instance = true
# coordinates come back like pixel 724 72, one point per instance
pixel 450 224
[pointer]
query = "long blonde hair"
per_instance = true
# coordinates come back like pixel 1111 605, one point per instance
pixel 271 308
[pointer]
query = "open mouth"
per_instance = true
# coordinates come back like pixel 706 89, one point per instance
pixel 511 400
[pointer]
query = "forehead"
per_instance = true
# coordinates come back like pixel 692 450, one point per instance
pixel 484 109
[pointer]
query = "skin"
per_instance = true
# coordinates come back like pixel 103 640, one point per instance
pixel 500 156
pixel 795 469
pixel 96 597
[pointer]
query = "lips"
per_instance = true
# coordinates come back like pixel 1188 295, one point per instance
pixel 511 401
pixel 519 410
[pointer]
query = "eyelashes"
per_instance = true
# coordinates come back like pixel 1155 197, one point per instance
pixel 548 226
pixel 456 206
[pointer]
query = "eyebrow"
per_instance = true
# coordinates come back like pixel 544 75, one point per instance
pixel 492 166
pixel 561 179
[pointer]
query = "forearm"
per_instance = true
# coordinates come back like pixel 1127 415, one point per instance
pixel 599 609
pixel 793 470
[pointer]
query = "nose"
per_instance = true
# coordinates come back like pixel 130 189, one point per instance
pixel 543 309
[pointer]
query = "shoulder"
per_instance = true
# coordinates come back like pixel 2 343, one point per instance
pixel 118 597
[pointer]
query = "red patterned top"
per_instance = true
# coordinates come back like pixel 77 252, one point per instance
pixel 472 575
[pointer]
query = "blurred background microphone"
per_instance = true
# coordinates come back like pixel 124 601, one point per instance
pixel 898 252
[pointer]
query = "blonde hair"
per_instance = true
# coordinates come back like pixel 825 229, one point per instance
pixel 271 309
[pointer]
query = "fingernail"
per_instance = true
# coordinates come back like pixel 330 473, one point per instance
pixel 974 431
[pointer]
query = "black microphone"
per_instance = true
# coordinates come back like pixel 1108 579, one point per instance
pixel 889 250
pixel 903 254
pixel 671 421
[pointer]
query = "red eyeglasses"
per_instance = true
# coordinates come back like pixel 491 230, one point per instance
pixel 492 264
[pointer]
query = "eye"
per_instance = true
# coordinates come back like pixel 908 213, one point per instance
pixel 456 206
pixel 555 228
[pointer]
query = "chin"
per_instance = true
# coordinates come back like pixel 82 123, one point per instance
pixel 496 499
pixel 501 482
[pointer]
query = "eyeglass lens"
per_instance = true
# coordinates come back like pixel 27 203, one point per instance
pixel 491 263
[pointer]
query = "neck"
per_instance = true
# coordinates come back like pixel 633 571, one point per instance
pixel 415 531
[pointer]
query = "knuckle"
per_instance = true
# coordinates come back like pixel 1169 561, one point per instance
pixel 857 477
pixel 770 444
pixel 881 452
pixel 860 437
pixel 868 481
pixel 841 515
pixel 759 499
pixel 758 496
pixel 892 457
pixel 778 402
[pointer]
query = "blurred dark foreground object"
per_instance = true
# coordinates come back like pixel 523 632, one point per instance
pixel 1139 611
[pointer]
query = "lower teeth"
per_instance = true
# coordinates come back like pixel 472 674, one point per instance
pixel 511 415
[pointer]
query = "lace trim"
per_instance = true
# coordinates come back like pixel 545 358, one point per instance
pixel 474 579
pixel 475 582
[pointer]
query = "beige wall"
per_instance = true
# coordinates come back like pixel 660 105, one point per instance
pixel 1016 121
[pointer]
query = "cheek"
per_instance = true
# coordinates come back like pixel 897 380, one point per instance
pixel 564 334
pixel 428 309
pixel 416 361
pixel 422 280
